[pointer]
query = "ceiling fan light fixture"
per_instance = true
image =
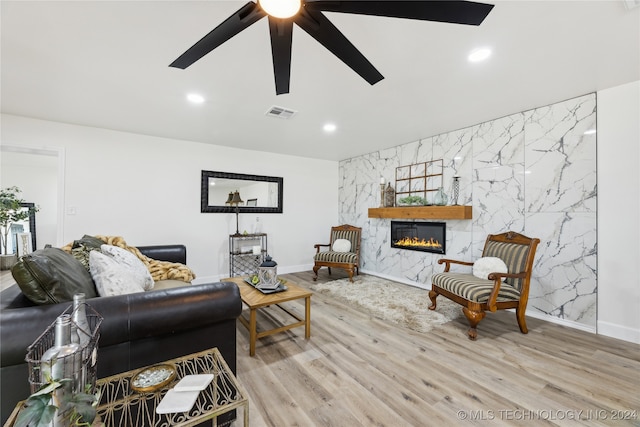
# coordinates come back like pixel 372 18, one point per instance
pixel 309 16
pixel 280 8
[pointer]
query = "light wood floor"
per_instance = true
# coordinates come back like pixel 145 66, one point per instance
pixel 361 371
pixel 6 279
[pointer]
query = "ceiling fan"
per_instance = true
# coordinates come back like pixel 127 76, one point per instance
pixel 307 14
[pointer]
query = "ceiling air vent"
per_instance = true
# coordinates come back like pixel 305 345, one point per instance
pixel 280 112
pixel 632 4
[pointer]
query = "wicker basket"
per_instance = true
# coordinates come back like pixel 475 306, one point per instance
pixel 88 353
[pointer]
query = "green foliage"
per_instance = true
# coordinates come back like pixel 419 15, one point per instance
pixel 11 211
pixel 37 412
pixel 39 409
pixel 413 200
pixel 82 409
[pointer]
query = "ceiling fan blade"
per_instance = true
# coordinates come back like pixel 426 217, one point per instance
pixel 455 12
pixel 281 32
pixel 321 29
pixel 247 15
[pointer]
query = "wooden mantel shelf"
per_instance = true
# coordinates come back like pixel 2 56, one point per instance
pixel 422 212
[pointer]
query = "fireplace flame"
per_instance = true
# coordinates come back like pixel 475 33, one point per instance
pixel 421 243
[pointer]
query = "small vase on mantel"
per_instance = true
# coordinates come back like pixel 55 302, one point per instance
pixel 440 198
pixel 389 196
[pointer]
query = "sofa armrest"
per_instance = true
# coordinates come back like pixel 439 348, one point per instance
pixel 171 253
pixel 166 311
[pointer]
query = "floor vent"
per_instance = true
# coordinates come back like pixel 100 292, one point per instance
pixel 280 112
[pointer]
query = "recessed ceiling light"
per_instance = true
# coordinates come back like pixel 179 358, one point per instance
pixel 329 127
pixel 478 55
pixel 195 98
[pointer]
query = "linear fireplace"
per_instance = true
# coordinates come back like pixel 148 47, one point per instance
pixel 419 236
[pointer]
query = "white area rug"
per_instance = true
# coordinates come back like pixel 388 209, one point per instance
pixel 404 305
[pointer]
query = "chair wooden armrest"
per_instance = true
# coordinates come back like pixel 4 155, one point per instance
pixel 448 263
pixel 491 302
pixel 502 276
pixel 497 281
pixel 320 245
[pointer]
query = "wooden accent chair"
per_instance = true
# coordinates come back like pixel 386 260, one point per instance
pixel 500 290
pixel 349 260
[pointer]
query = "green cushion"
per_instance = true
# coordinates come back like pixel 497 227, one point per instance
pixel 473 289
pixel 83 247
pixel 51 276
pixel 89 242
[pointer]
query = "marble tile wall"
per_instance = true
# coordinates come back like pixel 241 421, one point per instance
pixel 533 172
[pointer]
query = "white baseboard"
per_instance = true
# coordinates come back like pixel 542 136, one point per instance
pixel 207 279
pixel 295 268
pixel 281 270
pixel 397 279
pixel 563 322
pixel 624 333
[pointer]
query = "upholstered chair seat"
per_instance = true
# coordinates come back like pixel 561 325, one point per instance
pixel 473 289
pixel 336 257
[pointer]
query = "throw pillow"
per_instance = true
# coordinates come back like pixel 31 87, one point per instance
pixel 81 253
pixel 487 265
pixel 341 245
pixel 81 248
pixel 135 266
pixel 89 242
pixel 110 277
pixel 51 276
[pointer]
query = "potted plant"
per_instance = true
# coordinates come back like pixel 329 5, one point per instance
pixel 412 201
pixel 11 211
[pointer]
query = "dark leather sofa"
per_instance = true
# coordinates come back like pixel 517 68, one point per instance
pixel 138 329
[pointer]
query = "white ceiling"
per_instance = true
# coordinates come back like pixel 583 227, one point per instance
pixel 105 64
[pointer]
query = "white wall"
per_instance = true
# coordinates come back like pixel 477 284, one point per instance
pixel 619 212
pixel 147 190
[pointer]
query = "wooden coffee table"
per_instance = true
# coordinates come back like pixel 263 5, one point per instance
pixel 254 299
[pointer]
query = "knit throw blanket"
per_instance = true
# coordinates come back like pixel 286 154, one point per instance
pixel 160 270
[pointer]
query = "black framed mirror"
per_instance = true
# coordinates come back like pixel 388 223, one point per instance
pixel 25 226
pixel 260 194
